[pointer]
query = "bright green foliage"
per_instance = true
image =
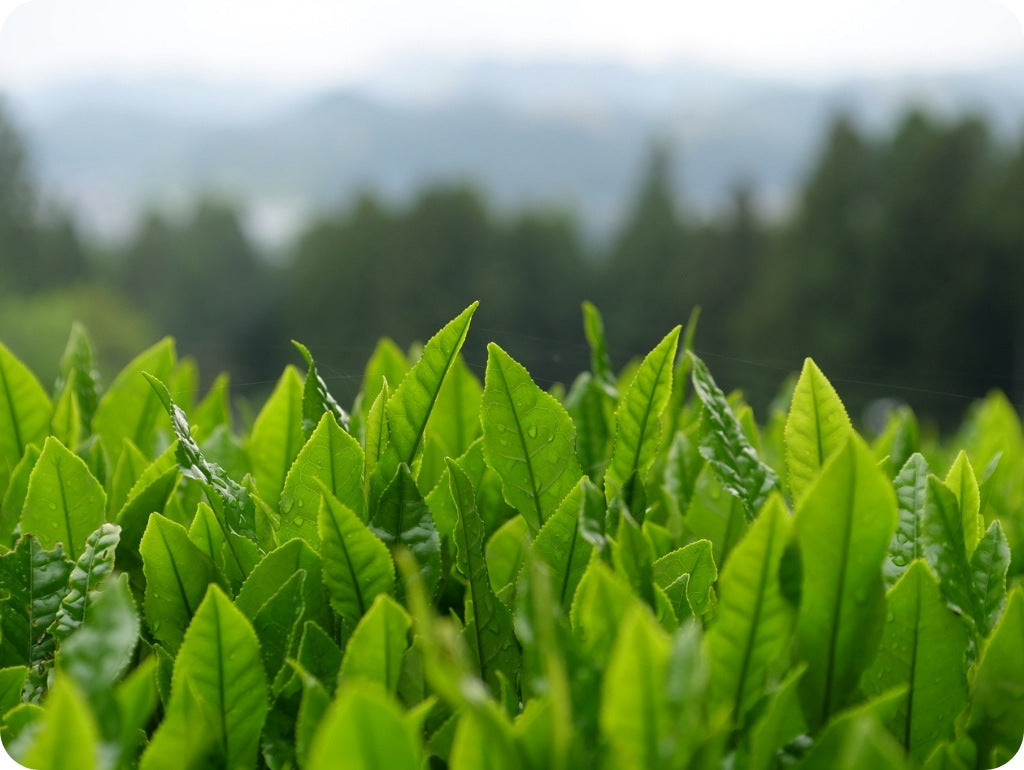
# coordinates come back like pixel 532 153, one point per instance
pixel 365 727
pixel 177 575
pixel 64 502
pixel 488 621
pixel 332 458
pixel 277 435
pixel 843 527
pixel 68 738
pixel 377 644
pixel 727 449
pixel 357 565
pixel 923 649
pixel 754 623
pixel 638 420
pixel 816 428
pixel 528 439
pixel 218 677
pixel 130 409
pixel 466 576
pixel 410 406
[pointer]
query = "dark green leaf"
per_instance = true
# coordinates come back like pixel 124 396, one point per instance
pixel 560 544
pixel 316 399
pixel 989 565
pixel 90 571
pixel 402 519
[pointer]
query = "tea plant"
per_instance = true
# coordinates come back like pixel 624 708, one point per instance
pixel 632 574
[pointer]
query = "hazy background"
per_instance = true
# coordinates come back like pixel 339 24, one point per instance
pixel 843 180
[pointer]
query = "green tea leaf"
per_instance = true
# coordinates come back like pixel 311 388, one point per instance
pixel 316 399
pixel 65 503
pixel 754 624
pixel 592 413
pixel 276 436
pixel 907 544
pixel 67 738
pixel 816 428
pixel 634 713
pixel 602 600
pixel 130 408
pixel 857 740
pixel 996 717
pixel 923 648
pixel 278 620
pixel 12 502
pixel 600 361
pixel 177 575
pixel 78 374
pixel 843 527
pixel 364 726
pixel 100 650
pixel 218 693
pixel 506 552
pixel 780 721
pixel 943 540
pixel 989 565
pixel 455 418
pixel 409 408
pixel 25 411
pixel 377 645
pixel 528 439
pixel 727 449
pixel 560 544
pixel 387 363
pixel 356 564
pixel 686 575
pixel 275 569
pixel 90 571
pixel 33 582
pixel 964 484
pixel 332 458
pixel 402 519
pixel 638 419
pixel 489 633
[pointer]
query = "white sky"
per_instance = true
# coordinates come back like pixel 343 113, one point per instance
pixel 319 41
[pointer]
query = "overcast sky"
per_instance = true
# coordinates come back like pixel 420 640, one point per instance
pixel 314 42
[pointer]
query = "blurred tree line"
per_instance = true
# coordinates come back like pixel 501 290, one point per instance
pixel 898 270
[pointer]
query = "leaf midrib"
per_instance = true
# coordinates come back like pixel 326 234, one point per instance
pixel 522 441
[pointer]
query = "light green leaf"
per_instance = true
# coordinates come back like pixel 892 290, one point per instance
pixel 275 569
pixel 177 575
pixel 989 565
pixel 277 622
pixel 409 408
pixel 638 419
pixel 561 545
pixel 364 726
pixel 779 722
pixel 686 575
pixel 276 436
pixel 633 557
pixel 214 411
pixel 816 428
pixel 131 464
pixel 600 361
pixel 377 645
pixel 754 623
pixel 943 539
pixel 145 500
pixel 67 738
pixel 25 411
pixel 65 503
pixel 78 374
pixel 964 484
pixel 332 458
pixel 488 631
pixel 455 418
pixel 218 694
pixel 843 527
pixel 716 515
pixel 529 439
pixel 90 571
pixel 402 519
pixel 923 649
pixel 356 564
pixel 592 413
pixel 387 363
pixel 33 581
pixel 602 600
pixel 101 647
pixel 727 449
pixel 996 720
pixel 232 501
pixel 316 399
pixel 907 543
pixel 506 552
pixel 375 438
pixel 484 741
pixel 130 409
pixel 12 502
pixel 858 741
pixel 634 714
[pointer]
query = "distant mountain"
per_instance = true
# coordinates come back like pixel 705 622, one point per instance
pixel 543 133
